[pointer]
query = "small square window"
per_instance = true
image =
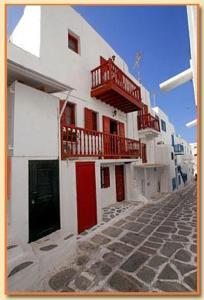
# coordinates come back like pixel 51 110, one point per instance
pixel 73 42
pixel 105 177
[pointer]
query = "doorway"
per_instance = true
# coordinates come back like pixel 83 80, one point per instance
pixel 120 185
pixel 44 210
pixel 86 195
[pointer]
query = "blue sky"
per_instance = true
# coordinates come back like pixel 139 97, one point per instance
pixel 161 34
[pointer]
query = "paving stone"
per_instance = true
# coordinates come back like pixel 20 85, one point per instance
pixel 81 260
pixel 146 274
pixel 183 268
pixel 168 223
pixel 155 223
pixel 100 268
pixel 191 280
pixel 160 235
pixel 193 248
pixel 125 283
pixel 147 250
pixel 152 245
pixel 132 239
pixel 133 226
pixel 143 220
pixel 59 280
pixel 168 273
pixel 48 247
pixel 134 262
pixel 20 267
pixel 169 286
pixel 87 246
pixel 82 283
pixel 183 255
pixel 112 231
pixel 67 289
pixel 179 238
pixel 157 261
pixel 120 248
pixel 169 248
pixel 166 229
pixel 155 239
pixel 147 230
pixel 100 239
pixel 112 259
pixel 184 232
pixel 183 227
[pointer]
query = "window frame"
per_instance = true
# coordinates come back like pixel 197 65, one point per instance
pixel 75 39
pixel 163 125
pixel 105 177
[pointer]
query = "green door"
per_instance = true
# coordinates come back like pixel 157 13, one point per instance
pixel 44 211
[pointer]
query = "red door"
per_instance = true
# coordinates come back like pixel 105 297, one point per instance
pixel 106 129
pixel 86 195
pixel 120 186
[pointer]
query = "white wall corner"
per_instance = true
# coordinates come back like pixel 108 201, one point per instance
pixel 27 33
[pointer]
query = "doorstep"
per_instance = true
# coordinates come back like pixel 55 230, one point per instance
pixel 27 264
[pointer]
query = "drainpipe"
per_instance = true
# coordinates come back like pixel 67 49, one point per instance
pixel 59 144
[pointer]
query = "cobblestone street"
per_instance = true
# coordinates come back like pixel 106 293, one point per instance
pixel 151 248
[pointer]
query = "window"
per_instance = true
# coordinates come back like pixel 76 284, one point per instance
pixel 163 125
pixel 172 140
pixel 90 119
pixel 68 116
pixel 105 177
pixel 73 42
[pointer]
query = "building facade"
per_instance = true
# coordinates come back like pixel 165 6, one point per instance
pixel 81 136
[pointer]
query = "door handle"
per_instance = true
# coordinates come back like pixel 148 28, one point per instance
pixel 33 201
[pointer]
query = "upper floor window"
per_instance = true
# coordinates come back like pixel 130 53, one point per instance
pixel 68 116
pixel 73 42
pixel 163 125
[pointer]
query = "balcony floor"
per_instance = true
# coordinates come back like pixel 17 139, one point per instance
pixel 111 94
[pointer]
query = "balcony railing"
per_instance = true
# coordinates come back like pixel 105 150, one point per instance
pixel 148 121
pixel 80 142
pixel 109 83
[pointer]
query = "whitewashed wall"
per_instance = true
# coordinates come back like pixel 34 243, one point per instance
pixel 35 123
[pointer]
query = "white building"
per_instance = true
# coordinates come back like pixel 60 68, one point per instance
pixel 193 15
pixel 76 140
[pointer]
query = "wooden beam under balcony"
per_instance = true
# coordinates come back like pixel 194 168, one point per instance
pixel 112 86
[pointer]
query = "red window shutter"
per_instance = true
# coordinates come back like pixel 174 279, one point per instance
pixel 106 124
pixel 106 177
pixel 121 127
pixel 88 121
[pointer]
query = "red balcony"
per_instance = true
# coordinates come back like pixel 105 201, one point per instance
pixel 147 121
pixel 80 142
pixel 112 86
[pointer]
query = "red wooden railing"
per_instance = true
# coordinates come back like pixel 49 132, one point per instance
pixel 108 72
pixel 80 142
pixel 148 121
